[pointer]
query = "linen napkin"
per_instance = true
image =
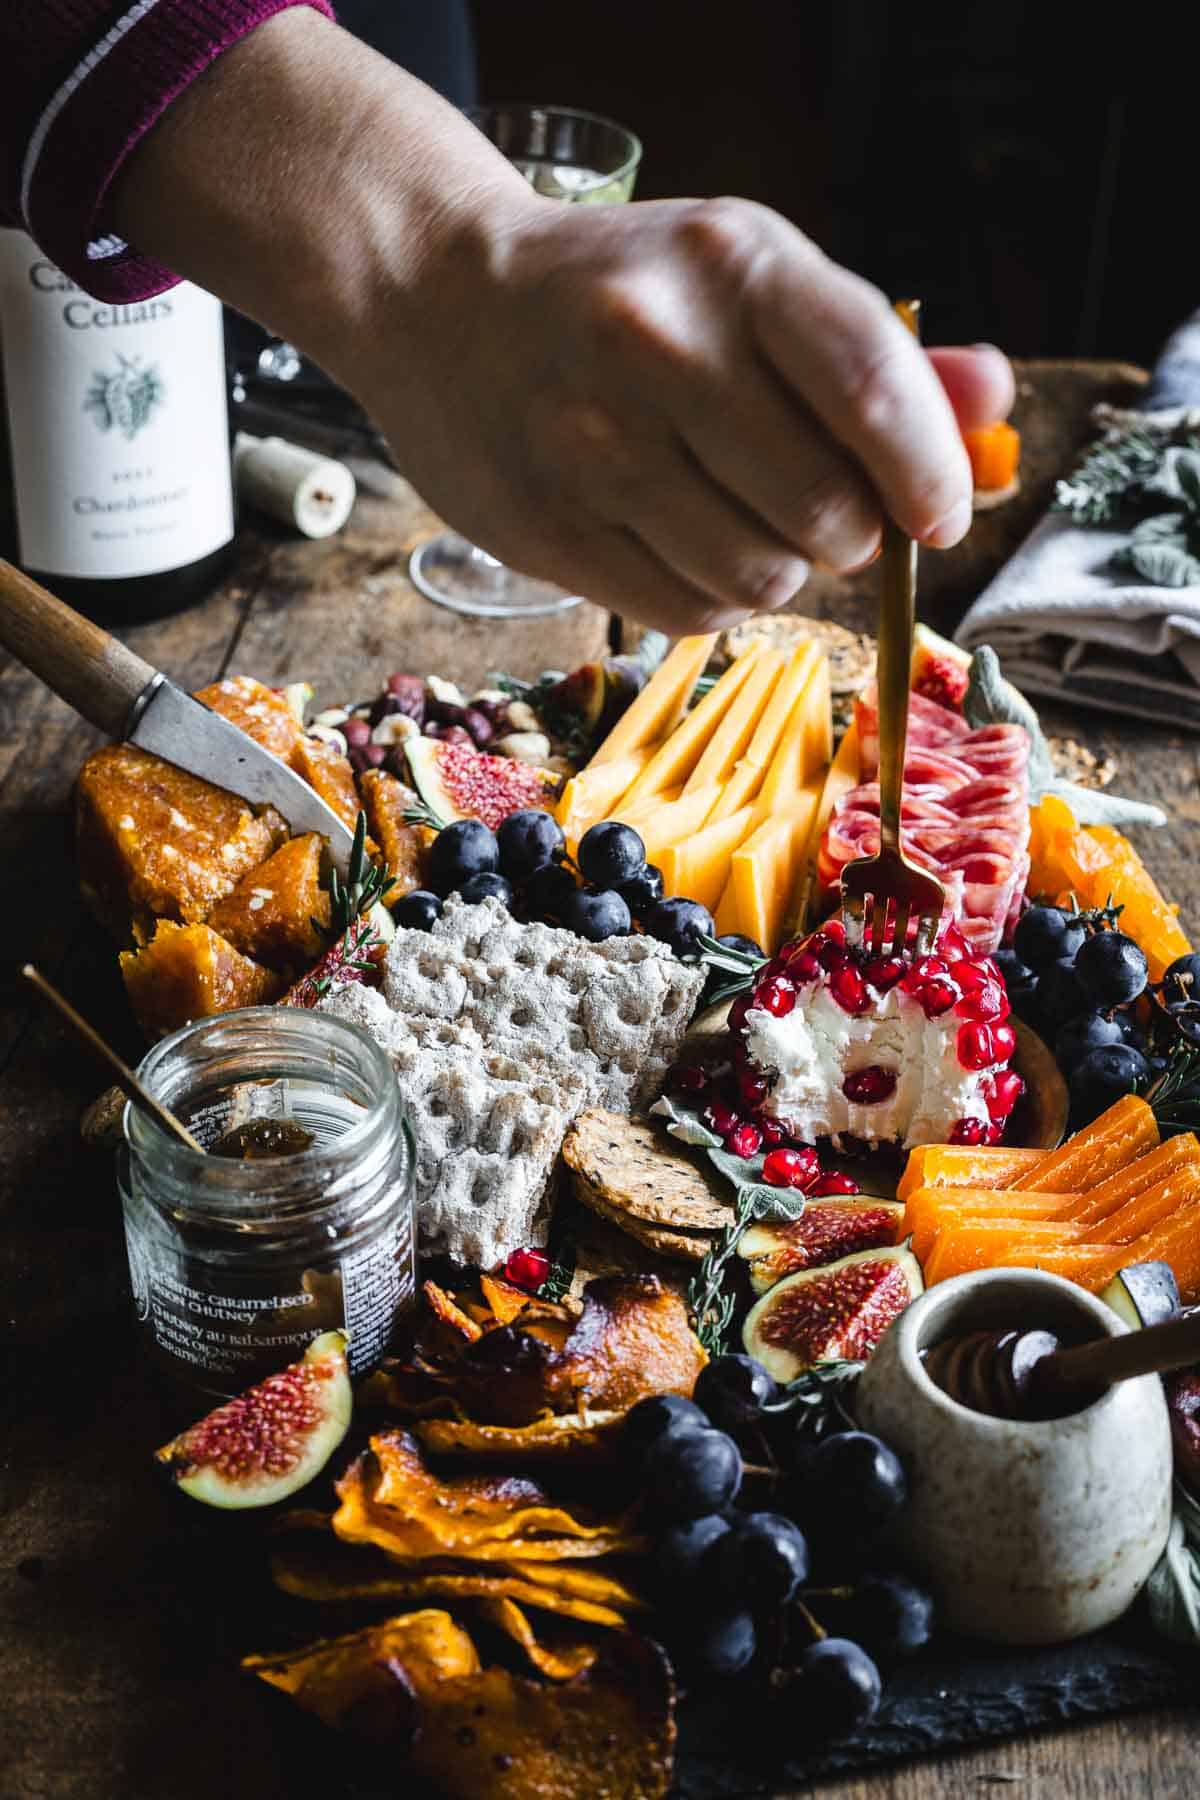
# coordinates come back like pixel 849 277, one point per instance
pixel 1069 622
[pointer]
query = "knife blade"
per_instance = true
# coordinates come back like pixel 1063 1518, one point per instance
pixel 114 688
pixel 184 731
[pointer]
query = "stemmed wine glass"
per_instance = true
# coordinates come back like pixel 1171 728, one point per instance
pixel 567 155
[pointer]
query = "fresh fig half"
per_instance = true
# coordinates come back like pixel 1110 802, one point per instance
pixel 826 1231
pixel 838 1311
pixel 268 1442
pixel 1143 1294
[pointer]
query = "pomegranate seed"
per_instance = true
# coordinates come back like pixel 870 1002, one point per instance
pixel 527 1269
pixel 994 1132
pixel 773 1133
pixel 937 995
pixel 744 1140
pixel 835 956
pixel 952 943
pixel 883 972
pixel 738 1011
pixel 751 1086
pixel 721 1118
pixel 980 1045
pixel 776 966
pixel 866 1087
pixel 986 1003
pixel 835 931
pixel 968 1131
pixel 777 996
pixel 791 1168
pixel 834 1182
pixel 803 966
pixel 969 974
pixel 850 990
pixel 1007 1089
pixel 689 1078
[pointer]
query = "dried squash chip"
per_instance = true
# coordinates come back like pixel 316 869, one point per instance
pixel 594 1435
pixel 608 1734
pixel 597 1585
pixel 384 1666
pixel 332 1575
pixel 390 1498
pixel 506 1301
pixel 450 1312
pixel 560 1662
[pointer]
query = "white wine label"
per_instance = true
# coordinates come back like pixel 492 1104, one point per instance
pixel 117 421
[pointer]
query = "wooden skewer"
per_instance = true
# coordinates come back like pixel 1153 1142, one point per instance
pixel 124 1076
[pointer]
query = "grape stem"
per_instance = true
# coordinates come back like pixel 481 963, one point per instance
pixel 814 1625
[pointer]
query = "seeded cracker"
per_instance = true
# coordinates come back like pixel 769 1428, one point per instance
pixel 630 1167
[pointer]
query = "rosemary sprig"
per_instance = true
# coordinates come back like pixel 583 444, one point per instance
pixel 421 814
pixel 1174 1098
pixel 818 1396
pixel 1111 482
pixel 557 1282
pixel 365 883
pixel 710 1306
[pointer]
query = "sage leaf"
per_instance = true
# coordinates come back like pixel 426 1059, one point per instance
pixel 1162 565
pixel 685 1125
pixel 1173 1587
pixel 776 1206
pixel 1161 528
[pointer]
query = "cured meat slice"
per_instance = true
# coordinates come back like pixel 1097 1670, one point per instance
pixel 965 814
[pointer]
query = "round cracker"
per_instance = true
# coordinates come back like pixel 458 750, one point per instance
pixel 636 1172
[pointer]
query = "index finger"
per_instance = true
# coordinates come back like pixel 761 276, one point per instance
pixel 838 345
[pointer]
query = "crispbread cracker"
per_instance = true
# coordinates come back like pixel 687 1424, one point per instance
pixel 690 1246
pixel 634 1171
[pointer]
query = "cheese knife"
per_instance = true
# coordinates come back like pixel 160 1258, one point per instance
pixel 112 687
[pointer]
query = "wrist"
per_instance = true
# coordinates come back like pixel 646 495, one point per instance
pixel 318 207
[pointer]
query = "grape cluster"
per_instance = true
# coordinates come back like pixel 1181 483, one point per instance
pixel 524 864
pixel 1078 980
pixel 739 1587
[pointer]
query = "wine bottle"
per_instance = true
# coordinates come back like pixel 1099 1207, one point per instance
pixel 115 473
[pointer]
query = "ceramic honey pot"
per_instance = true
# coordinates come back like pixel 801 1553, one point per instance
pixel 1027 1531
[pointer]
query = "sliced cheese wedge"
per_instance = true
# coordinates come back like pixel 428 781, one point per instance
pixel 763 871
pixel 667 822
pixel 675 759
pixel 660 705
pixel 842 775
pixel 802 754
pixel 592 794
pixel 746 779
pixel 736 730
pixel 698 868
pixel 630 814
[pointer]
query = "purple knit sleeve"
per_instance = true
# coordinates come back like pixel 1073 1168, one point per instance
pixel 81 82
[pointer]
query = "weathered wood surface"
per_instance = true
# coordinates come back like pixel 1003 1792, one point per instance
pixel 118 1671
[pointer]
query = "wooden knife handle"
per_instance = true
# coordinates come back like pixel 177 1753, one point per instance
pixel 86 667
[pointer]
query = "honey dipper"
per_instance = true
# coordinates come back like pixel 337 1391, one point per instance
pixel 1027 1375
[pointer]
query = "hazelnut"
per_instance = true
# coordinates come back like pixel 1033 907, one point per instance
pixel 524 746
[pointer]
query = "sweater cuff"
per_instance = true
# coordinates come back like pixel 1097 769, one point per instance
pixel 119 89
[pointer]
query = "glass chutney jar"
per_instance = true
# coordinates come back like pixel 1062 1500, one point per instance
pixel 236 1265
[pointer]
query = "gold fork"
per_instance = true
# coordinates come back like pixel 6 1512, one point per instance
pixel 889 878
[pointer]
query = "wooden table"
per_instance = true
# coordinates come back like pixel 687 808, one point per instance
pixel 117 1670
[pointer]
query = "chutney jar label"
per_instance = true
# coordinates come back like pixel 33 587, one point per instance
pixel 118 422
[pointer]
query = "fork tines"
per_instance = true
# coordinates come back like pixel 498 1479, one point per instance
pixel 884 900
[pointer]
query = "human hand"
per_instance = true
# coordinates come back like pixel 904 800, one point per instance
pixel 673 407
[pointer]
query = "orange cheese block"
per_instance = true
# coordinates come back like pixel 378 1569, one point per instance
pixel 1102 1149
pixel 976 1244
pixel 966 1166
pixel 930 1210
pixel 762 871
pixel 1174 1159
pixel 1176 1240
pixel 1147 1210
pixel 667 822
pixel 802 757
pixel 1092 1266
pixel 840 777
pixel 698 867
pixel 591 795
pixel 735 731
pixel 789 692
pixel 661 703
pixel 679 753
pixel 189 972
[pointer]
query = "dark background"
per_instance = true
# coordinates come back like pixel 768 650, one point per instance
pixel 1027 168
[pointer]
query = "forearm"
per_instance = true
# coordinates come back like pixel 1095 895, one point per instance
pixel 311 203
